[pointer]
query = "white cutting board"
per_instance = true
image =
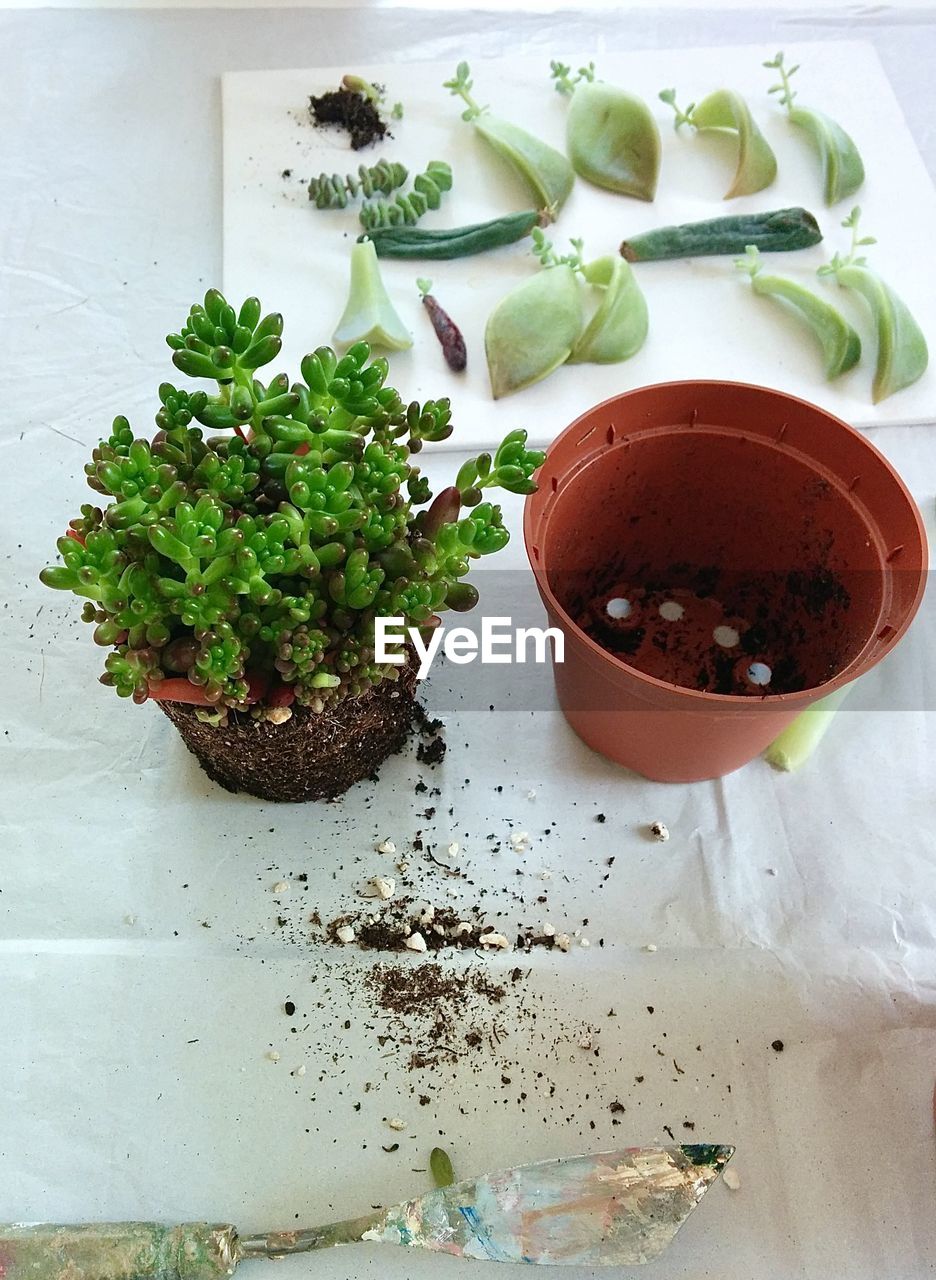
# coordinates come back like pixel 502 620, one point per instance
pixel 704 322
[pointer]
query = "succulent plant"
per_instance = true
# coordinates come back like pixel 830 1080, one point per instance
pixel 245 567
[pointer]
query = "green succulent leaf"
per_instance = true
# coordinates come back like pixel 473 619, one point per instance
pixel 613 140
pixel 842 167
pixel 618 328
pixel 727 111
pixel 533 329
pixel 369 315
pixel 546 171
pixel 902 352
pixel 840 343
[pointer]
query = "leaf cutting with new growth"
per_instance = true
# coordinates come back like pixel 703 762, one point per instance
pixel 540 324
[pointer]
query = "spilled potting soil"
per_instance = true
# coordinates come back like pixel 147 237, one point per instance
pixel 717 632
pixel 350 111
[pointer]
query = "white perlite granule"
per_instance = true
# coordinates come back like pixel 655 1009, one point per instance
pixel 383 887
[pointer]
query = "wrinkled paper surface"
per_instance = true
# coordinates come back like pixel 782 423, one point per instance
pixel 142 974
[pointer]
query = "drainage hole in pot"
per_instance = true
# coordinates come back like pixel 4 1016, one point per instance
pixel 758 673
pixel 726 637
pixel 618 608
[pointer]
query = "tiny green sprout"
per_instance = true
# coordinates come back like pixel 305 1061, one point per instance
pixel 357 84
pixel 396 111
pixel 852 258
pixel 239 557
pixel 423 285
pixel 682 117
pixel 787 95
pixel 565 81
pixel 543 250
pixel 461 85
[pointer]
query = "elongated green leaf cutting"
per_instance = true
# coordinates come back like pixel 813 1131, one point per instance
pixel 902 353
pixel 799 740
pixel 842 167
pixel 841 345
pixel 546 171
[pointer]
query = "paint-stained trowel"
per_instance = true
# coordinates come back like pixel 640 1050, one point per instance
pixel 615 1210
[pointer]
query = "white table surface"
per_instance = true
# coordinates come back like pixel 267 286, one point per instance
pixel 134 1069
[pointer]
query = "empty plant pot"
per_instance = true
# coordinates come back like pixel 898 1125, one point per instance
pixel 718 556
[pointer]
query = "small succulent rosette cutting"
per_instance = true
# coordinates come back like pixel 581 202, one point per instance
pixel 245 550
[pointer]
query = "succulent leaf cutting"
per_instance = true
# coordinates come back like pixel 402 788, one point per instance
pixel 842 167
pixel 245 567
pixel 611 136
pixel 547 173
pixel 726 112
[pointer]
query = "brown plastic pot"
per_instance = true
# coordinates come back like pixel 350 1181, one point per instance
pixel 739 502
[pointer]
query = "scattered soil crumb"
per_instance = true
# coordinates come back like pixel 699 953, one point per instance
pixel 432 750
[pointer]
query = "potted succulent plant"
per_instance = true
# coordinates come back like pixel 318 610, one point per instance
pixel 235 577
pixel 746 555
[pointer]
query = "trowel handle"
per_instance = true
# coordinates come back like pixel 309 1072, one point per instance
pixel 117 1251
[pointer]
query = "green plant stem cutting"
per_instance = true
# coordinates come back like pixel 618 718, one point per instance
pixel 405 209
pixel 443 243
pixel 775 232
pixel 332 191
